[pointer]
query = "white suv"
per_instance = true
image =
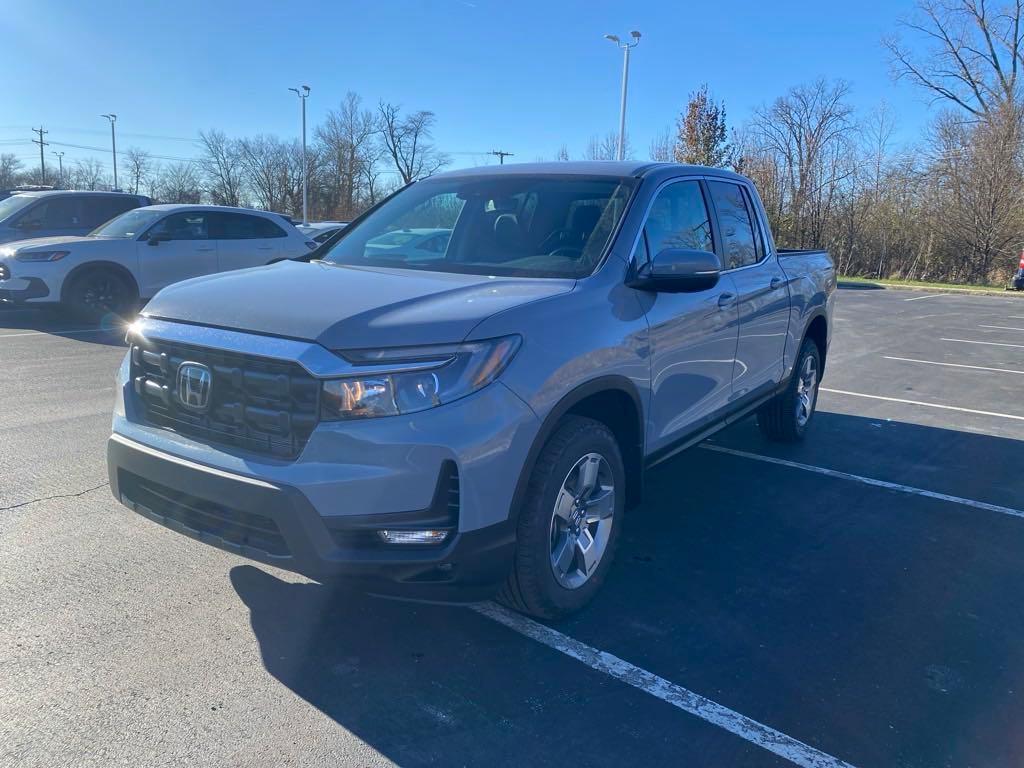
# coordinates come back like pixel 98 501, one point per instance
pixel 136 254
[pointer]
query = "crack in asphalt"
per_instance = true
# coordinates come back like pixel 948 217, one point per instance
pixel 55 496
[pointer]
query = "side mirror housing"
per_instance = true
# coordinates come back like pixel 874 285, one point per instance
pixel 678 270
pixel 156 239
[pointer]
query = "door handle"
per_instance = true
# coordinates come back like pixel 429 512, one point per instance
pixel 726 300
pixel 207 248
pixel 264 247
pixel 775 283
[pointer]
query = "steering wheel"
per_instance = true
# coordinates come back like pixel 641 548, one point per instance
pixel 557 236
pixel 567 251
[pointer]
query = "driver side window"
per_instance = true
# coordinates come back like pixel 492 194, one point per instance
pixel 678 219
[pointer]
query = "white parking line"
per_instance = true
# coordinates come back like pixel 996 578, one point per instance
pixel 1001 327
pixel 868 481
pixel 757 733
pixel 927 405
pixel 952 365
pixel 990 343
pixel 58 333
pixel 929 296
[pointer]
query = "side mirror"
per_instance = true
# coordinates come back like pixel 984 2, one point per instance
pixel 157 238
pixel 678 270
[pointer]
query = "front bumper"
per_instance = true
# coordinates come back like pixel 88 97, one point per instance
pixel 18 290
pixel 277 524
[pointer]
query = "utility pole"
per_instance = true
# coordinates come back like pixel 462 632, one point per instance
pixel 113 144
pixel 60 162
pixel 625 82
pixel 42 157
pixel 501 155
pixel 303 95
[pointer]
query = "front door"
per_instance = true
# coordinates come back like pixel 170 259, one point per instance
pixel 692 335
pixel 175 248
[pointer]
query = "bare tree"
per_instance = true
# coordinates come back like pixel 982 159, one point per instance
pixel 179 183
pixel 140 166
pixel 350 148
pixel 10 170
pixel 88 174
pixel 222 168
pixel 607 147
pixel 662 149
pixel 563 154
pixel 407 141
pixel 974 57
pixel 701 138
pixel 264 160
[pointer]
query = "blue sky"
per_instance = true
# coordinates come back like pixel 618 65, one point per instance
pixel 524 76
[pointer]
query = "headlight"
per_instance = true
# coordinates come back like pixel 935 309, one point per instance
pixel 435 375
pixel 42 255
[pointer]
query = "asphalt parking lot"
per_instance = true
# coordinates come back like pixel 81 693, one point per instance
pixel 852 600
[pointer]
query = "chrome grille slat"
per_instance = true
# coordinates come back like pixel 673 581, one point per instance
pixel 259 404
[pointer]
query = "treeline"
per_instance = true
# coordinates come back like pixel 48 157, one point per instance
pixel 949 207
pixel 355 156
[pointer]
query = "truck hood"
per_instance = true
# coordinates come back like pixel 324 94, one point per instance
pixel 348 307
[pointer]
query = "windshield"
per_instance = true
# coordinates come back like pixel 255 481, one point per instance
pixel 128 225
pixel 13 204
pixel 519 225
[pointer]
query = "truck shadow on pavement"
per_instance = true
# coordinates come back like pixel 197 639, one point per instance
pixel 875 625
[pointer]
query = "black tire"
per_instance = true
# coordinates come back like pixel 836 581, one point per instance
pixel 780 419
pixel 98 294
pixel 532 587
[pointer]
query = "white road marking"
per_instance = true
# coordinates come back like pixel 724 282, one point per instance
pixel 927 405
pixel 929 296
pixel 756 733
pixel 868 481
pixel 991 343
pixel 952 365
pixel 58 333
pixel 1001 327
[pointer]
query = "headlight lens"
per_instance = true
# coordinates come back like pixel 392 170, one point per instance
pixel 442 374
pixel 42 256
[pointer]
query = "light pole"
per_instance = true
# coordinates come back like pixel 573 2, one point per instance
pixel 303 95
pixel 113 144
pixel 625 81
pixel 60 163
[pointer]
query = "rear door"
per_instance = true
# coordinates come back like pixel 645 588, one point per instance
pixel 692 335
pixel 245 240
pixel 175 248
pixel 761 287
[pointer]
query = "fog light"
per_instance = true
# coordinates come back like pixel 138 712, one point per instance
pixel 413 537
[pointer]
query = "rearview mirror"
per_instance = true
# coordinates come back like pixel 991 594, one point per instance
pixel 678 270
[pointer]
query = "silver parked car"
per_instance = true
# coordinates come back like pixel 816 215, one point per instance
pixel 476 420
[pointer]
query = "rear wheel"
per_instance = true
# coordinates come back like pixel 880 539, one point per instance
pixel 98 294
pixel 570 521
pixel 786 418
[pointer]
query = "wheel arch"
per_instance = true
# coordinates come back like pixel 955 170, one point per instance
pixel 615 402
pixel 817 331
pixel 89 266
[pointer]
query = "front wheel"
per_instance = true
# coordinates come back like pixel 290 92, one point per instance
pixel 99 293
pixel 786 417
pixel 570 521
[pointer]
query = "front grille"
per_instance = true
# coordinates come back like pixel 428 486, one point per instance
pixel 197 516
pixel 255 403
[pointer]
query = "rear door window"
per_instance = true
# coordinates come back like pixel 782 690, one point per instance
pixel 239 226
pixel 736 225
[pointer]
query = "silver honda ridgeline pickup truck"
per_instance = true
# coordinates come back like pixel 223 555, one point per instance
pixel 459 397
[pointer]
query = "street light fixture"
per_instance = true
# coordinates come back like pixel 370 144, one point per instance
pixel 113 144
pixel 60 163
pixel 625 81
pixel 303 95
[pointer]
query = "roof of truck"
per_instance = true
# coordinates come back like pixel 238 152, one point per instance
pixel 621 169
